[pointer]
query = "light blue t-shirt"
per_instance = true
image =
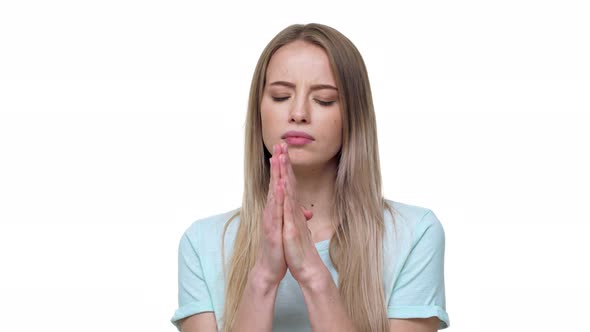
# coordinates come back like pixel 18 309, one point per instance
pixel 413 270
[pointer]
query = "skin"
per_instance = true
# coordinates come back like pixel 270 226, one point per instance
pixel 300 253
pixel 300 176
pixel 316 112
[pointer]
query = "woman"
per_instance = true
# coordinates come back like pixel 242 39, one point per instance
pixel 314 245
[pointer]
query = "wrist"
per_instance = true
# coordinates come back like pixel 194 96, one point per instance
pixel 317 282
pixel 261 281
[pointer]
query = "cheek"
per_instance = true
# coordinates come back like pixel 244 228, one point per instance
pixel 330 132
pixel 267 111
pixel 264 115
pixel 337 129
pixel 268 121
pixel 338 137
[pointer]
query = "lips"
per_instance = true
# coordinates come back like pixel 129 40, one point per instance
pixel 301 134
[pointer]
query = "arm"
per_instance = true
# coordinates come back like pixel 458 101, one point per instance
pixel 417 299
pixel 255 312
pixel 327 313
pixel 413 325
pixel 418 293
pixel 325 306
pixel 195 310
pixel 256 308
pixel 202 322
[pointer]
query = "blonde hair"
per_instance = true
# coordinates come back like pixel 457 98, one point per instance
pixel 356 248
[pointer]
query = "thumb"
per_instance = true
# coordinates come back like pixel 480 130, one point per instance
pixel 307 213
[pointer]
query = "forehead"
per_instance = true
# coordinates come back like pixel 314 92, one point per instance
pixel 300 61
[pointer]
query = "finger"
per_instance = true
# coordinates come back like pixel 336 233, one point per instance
pixel 291 214
pixel 287 211
pixel 279 197
pixel 283 147
pixel 307 213
pixel 290 198
pixel 272 183
pixel 278 160
pixel 279 202
pixel 290 171
pixel 289 181
pixel 287 172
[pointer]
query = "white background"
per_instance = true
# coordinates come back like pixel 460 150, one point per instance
pixel 122 122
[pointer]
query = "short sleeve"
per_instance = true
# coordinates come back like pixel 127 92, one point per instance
pixel 419 291
pixel 193 294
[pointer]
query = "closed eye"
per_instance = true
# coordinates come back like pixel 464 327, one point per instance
pixel 279 99
pixel 321 102
pixel 324 103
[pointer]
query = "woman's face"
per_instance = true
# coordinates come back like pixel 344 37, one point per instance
pixel 300 94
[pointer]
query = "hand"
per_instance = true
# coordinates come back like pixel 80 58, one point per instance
pixel 301 255
pixel 270 263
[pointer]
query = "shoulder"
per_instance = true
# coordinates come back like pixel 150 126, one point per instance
pixel 409 213
pixel 413 266
pixel 208 231
pixel 412 222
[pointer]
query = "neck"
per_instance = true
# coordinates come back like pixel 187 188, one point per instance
pixel 315 191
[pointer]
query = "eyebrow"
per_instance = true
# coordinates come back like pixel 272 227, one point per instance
pixel 312 88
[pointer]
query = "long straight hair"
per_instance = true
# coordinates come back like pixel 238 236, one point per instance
pixel 356 247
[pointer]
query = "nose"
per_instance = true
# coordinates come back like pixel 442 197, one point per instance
pixel 299 113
